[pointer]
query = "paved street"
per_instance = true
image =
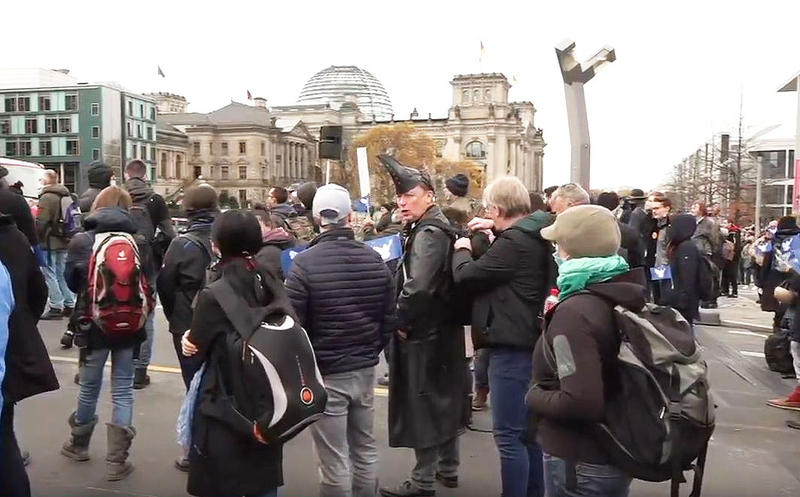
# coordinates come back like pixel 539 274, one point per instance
pixel 752 452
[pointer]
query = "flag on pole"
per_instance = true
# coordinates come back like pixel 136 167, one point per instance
pixel 483 51
pixel 249 95
pixel 160 72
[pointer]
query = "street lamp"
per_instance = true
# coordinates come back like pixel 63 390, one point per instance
pixel 794 85
pixel 575 76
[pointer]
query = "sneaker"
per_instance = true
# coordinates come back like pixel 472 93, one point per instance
pixel 140 378
pixel 447 481
pixel 53 314
pixel 67 311
pixel 481 400
pixel 791 402
pixel 66 339
pixel 793 424
pixel 407 489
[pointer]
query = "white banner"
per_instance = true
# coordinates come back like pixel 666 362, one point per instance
pixel 363 171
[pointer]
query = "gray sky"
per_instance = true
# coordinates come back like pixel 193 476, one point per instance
pixel 681 66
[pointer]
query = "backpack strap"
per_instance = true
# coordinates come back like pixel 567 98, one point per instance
pixel 243 317
pixel 199 242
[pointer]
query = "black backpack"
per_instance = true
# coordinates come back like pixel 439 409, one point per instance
pixel 277 387
pixel 658 423
pixel 777 346
pixel 140 212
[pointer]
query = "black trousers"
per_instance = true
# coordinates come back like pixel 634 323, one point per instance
pixel 13 478
pixel 189 365
pixel 730 278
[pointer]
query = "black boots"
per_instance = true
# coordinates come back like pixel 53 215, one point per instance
pixel 77 448
pixel 66 339
pixel 140 378
pixel 119 441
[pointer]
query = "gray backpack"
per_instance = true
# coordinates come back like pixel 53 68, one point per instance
pixel 658 422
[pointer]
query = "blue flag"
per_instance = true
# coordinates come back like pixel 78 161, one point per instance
pixel 388 247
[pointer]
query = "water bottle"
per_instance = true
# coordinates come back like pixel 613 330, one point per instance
pixel 551 301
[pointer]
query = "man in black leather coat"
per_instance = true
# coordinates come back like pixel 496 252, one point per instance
pixel 427 381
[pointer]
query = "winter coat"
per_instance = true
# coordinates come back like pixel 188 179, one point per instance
pixel 682 293
pixel 284 210
pixel 343 296
pixel 708 237
pixel 76 271
pixel 222 461
pixel 427 379
pixel 509 283
pixel 48 217
pixel 16 206
pixel 770 278
pixel 29 371
pixel 184 271
pixel 567 398
pixel 269 256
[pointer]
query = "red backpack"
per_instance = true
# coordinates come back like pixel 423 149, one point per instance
pixel 118 293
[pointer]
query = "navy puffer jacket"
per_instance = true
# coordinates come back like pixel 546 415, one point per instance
pixel 343 295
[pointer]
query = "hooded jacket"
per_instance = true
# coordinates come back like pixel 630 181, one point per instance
pixel 275 242
pixel 684 258
pixel 575 368
pixel 76 271
pixel 509 283
pixel 184 271
pixel 142 193
pixel 48 216
pixel 28 368
pixel 284 210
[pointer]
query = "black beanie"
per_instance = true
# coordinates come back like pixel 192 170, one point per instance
pixel 787 223
pixel 458 185
pixel 99 175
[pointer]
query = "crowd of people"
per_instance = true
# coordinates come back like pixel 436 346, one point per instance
pixel 472 276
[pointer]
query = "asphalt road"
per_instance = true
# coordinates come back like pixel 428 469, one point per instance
pixel 752 452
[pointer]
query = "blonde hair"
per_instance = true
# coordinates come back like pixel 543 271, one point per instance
pixel 509 195
pixel 112 196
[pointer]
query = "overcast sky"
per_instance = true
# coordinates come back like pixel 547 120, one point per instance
pixel 680 71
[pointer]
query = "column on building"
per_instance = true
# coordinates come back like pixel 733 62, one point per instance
pixel 306 162
pixel 285 162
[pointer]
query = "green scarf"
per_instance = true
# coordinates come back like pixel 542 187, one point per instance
pixel 576 274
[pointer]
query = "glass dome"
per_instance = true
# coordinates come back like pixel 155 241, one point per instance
pixel 333 84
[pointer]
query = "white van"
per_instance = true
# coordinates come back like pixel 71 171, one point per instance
pixel 29 173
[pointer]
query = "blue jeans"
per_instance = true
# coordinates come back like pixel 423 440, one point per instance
pixel 510 372
pixel 91 376
pixel 142 357
pixel 59 292
pixel 592 480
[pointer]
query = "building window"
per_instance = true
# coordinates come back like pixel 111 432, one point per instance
pixel 71 102
pixel 488 95
pixel 224 148
pixel 210 149
pixel 225 172
pixel 476 96
pixel 30 126
pixel 198 171
pixel 11 104
pixel 163 165
pixel 242 172
pixel 179 166
pixel 153 154
pixel 138 131
pixel 196 148
pixel 25 148
pixel 51 125
pixel 130 129
pixel 45 147
pixel 5 127
pixel 242 198
pixel 95 131
pixel 72 147
pixel 44 103
pixel 263 172
pixel 263 149
pixel 142 151
pixel 130 108
pixel 475 150
pixel 465 97
pixel 149 132
pixel 242 147
pixel 95 109
pixel 65 125
pixel 11 148
pixel 278 159
pixel 95 154
pixel 141 111
pixel 152 113
pixel 24 104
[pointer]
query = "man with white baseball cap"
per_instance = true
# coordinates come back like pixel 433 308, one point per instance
pixel 343 295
